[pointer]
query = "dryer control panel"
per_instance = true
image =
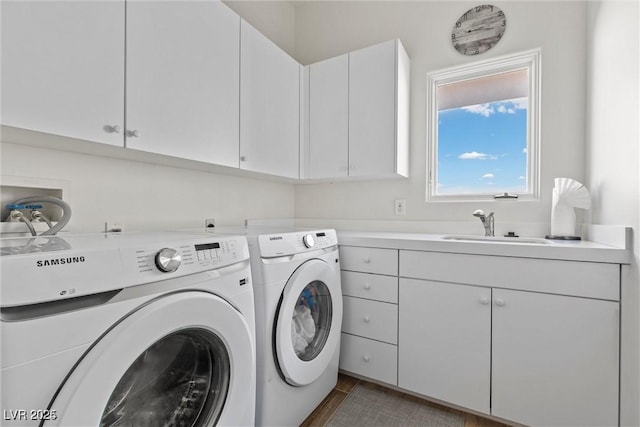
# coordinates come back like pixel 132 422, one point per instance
pixel 283 244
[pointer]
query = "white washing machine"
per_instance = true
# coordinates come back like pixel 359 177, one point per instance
pixel 127 329
pixel 296 277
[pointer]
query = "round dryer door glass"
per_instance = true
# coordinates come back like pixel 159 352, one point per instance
pixel 181 380
pixel 311 320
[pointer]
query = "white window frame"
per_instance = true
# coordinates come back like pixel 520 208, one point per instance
pixel 528 59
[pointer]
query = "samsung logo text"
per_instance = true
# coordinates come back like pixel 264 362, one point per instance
pixel 59 261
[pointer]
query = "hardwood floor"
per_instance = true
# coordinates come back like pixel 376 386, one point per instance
pixel 323 413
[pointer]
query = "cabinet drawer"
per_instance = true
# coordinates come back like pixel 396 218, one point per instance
pixel 370 286
pixel 369 260
pixel 584 279
pixel 370 319
pixel 371 359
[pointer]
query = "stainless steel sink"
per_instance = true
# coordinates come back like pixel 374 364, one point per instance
pixel 472 238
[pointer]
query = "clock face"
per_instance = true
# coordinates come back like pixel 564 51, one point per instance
pixel 479 29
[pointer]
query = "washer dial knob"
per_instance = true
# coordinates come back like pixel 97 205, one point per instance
pixel 308 240
pixel 168 260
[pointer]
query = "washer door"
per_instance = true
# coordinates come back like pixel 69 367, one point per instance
pixel 182 359
pixel 307 329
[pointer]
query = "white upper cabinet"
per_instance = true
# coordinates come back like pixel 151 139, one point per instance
pixel 269 106
pixel 379 110
pixel 62 68
pixel 329 118
pixel 359 114
pixel 183 80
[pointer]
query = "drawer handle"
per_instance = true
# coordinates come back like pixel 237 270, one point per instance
pixel 367 260
pixel 366 358
pixel 367 286
pixel 500 302
pixel 366 319
pixel 484 300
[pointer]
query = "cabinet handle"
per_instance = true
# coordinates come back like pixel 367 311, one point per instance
pixel 500 302
pixel 366 358
pixel 243 158
pixel 366 319
pixel 367 260
pixel 135 133
pixel 114 129
pixel 367 286
pixel 484 300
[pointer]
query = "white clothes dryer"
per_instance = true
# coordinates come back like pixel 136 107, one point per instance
pixel 127 329
pixel 296 277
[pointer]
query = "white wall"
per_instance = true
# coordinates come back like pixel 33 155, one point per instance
pixel 613 159
pixel 147 194
pixel 326 29
pixel 273 18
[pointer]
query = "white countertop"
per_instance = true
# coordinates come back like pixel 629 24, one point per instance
pixel 552 249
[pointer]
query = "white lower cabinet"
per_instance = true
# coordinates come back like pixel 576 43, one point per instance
pixel 369 358
pixel 532 341
pixel 530 357
pixel 370 313
pixel 445 336
pixel 554 359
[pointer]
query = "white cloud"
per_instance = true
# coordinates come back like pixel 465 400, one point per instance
pixel 474 155
pixel 482 109
pixel 506 107
pixel 504 110
pixel 521 177
pixel 488 175
pixel 524 150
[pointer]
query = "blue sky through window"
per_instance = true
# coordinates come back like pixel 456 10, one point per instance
pixel 482 149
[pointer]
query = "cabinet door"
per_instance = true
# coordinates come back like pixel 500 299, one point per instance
pixel 269 106
pixel 183 80
pixel 444 342
pixel 555 359
pixel 63 68
pixel 372 102
pixel 329 118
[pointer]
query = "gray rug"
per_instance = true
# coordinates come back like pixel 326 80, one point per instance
pixel 370 406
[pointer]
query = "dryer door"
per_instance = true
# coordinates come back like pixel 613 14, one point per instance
pixel 182 359
pixel 307 328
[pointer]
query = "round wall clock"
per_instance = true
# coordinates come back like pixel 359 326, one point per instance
pixel 479 29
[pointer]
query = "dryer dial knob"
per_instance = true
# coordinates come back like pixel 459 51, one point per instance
pixel 308 240
pixel 168 260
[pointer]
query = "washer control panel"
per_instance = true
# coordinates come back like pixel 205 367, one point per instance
pixel 276 245
pixel 200 255
pixel 95 263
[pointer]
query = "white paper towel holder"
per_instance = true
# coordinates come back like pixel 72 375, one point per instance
pixel 567 195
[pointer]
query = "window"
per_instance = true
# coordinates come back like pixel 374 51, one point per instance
pixel 483 129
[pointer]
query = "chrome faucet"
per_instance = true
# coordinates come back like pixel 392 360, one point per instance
pixel 487 221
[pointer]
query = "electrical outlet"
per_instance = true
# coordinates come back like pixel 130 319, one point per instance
pixel 209 223
pixel 401 206
pixel 112 227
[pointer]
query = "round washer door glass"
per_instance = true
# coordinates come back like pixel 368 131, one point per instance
pixel 182 379
pixel 308 319
pixel 182 359
pixel 311 320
